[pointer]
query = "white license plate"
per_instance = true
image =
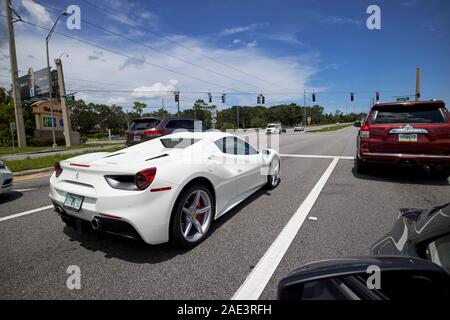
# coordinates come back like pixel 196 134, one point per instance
pixel 136 138
pixel 407 138
pixel 73 202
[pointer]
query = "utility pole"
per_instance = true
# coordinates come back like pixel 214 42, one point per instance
pixel 418 76
pixel 62 97
pixel 18 112
pixel 178 106
pixel 304 106
pixel 237 111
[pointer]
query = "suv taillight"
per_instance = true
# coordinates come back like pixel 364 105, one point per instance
pixel 144 178
pixel 58 169
pixel 365 131
pixel 154 132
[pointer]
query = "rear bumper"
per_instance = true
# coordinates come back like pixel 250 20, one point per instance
pixel 399 158
pixel 148 213
pixel 105 224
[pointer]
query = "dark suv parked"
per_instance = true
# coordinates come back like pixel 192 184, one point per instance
pixel 145 129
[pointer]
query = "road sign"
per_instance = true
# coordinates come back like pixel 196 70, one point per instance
pixel 309 119
pixel 214 113
pixel 70 98
pixel 213 120
pixel 402 99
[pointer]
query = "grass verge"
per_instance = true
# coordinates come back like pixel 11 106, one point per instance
pixel 17 150
pixel 45 162
pixel 332 128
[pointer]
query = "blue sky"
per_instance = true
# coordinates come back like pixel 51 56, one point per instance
pixel 323 46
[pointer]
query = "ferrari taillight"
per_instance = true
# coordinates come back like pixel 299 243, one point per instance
pixel 58 169
pixel 365 131
pixel 144 178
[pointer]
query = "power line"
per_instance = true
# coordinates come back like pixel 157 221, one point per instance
pixel 125 55
pixel 231 92
pixel 125 19
pixel 148 46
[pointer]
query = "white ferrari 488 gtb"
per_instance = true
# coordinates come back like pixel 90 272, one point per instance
pixel 166 189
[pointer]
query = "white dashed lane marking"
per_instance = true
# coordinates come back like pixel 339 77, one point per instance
pixel 21 214
pixel 257 280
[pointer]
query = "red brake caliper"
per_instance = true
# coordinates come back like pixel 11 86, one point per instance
pixel 199 215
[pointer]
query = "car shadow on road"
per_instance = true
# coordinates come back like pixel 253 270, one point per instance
pixel 413 175
pixel 138 251
pixel 10 196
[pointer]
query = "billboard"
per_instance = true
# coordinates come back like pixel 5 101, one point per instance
pixel 34 85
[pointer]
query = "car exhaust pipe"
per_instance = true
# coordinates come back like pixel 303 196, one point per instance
pixel 407 163
pixel 96 224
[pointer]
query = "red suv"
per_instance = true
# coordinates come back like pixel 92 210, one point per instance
pixel 406 133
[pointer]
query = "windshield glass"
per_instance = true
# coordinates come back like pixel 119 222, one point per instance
pixel 271 126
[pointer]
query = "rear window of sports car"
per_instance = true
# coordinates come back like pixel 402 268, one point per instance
pixel 179 143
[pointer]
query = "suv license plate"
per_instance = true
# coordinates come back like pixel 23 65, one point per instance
pixel 73 202
pixel 137 138
pixel 407 138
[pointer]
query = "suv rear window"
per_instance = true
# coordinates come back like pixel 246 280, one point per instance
pixel 409 114
pixel 143 124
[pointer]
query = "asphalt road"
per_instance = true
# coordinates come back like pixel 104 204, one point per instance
pixel 352 212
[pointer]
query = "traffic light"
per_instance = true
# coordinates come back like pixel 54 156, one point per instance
pixel 314 97
pixel 223 98
pixel 177 96
pixel 258 99
pixel 263 99
pixel 352 96
pixel 209 98
pixel 377 96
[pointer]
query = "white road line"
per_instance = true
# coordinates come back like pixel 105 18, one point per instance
pixel 257 280
pixel 13 216
pixel 316 156
pixel 25 190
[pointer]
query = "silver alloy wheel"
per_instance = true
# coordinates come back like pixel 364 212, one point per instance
pixel 196 215
pixel 275 172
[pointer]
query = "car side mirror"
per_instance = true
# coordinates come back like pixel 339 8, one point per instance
pixel 367 278
pixel 357 124
pixel 265 151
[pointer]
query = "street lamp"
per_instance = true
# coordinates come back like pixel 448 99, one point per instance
pixel 50 88
pixel 62 54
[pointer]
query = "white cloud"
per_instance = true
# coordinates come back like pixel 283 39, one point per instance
pixel 37 13
pixel 108 83
pixel 339 20
pixel 237 41
pixel 155 90
pixel 288 38
pixel 252 44
pixel 135 61
pixel 240 29
pixel 117 100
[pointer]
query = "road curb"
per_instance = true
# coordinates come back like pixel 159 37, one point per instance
pixel 32 171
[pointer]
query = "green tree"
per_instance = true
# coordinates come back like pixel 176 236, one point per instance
pixel 84 117
pixel 139 107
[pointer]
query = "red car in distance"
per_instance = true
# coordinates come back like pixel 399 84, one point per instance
pixel 407 134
